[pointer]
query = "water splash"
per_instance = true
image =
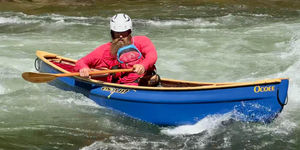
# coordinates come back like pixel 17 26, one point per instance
pixel 73 98
pixel 208 124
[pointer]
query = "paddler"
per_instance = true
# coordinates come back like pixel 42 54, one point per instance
pixel 141 57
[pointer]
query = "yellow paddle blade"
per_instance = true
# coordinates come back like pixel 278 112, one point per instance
pixel 38 77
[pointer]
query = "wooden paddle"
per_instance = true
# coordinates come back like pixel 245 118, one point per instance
pixel 46 77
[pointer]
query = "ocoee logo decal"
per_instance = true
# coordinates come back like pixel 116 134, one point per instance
pixel 258 89
pixel 115 90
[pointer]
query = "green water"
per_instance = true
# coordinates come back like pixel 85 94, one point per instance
pixel 209 41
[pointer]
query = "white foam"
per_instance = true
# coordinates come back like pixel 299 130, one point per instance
pixel 127 143
pixel 70 97
pixel 7 20
pixel 260 15
pixel 281 126
pixel 2 90
pixel 71 20
pixel 294 85
pixel 207 124
pixel 15 20
pixel 81 102
pixel 118 145
pixel 20 18
pixel 293 48
pixel 293 53
pixel 188 22
pixel 16 65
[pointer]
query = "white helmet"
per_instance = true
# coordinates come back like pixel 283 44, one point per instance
pixel 120 23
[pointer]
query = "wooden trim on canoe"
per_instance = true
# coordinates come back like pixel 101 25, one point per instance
pixel 202 85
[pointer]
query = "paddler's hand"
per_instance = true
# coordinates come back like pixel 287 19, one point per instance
pixel 84 72
pixel 138 68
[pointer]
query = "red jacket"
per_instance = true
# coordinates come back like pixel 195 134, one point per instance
pixel 102 58
pixel 129 59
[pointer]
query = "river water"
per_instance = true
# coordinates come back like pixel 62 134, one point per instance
pixel 209 43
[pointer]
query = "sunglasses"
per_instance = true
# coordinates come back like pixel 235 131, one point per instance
pixel 115 35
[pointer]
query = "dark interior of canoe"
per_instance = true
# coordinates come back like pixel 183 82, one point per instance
pixel 68 65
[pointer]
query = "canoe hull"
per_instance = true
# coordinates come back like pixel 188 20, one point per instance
pixel 254 103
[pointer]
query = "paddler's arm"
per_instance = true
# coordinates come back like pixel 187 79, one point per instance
pixel 91 60
pixel 150 55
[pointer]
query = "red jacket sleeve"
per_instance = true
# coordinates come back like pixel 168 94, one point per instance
pixel 147 49
pixel 92 59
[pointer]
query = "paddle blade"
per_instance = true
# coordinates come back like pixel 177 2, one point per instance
pixel 38 77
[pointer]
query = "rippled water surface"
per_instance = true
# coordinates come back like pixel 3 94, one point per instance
pixel 197 41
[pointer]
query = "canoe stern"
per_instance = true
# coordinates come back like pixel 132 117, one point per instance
pixel 282 92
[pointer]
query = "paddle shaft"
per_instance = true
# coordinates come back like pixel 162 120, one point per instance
pixel 93 72
pixel 47 77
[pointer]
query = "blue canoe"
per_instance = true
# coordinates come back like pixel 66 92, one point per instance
pixel 175 102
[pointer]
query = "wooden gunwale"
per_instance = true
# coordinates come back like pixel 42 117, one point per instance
pixel 44 56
